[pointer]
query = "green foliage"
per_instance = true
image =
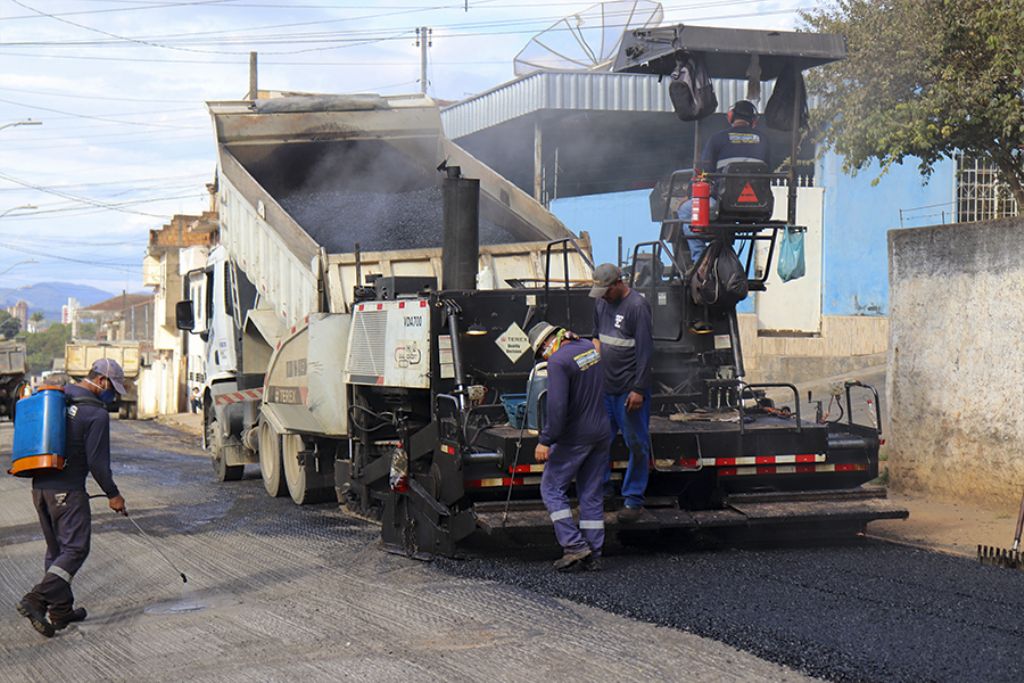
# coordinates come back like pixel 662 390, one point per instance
pixel 37 317
pixel 9 325
pixel 44 346
pixel 925 79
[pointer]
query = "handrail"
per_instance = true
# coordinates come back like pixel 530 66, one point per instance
pixel 850 384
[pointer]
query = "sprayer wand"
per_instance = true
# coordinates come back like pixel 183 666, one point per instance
pixel 180 573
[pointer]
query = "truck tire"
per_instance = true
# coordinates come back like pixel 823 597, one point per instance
pixel 300 488
pixel 221 469
pixel 271 464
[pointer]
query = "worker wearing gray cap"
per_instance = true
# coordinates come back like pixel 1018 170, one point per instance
pixel 62 503
pixel 573 443
pixel 624 336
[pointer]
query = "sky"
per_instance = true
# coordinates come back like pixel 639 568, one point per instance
pixel 120 88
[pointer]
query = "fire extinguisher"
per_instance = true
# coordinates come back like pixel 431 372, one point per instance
pixel 700 200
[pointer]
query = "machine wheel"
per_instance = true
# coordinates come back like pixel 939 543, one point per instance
pixel 270 461
pixel 296 476
pixel 221 468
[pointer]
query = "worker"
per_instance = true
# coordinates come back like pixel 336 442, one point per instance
pixel 573 442
pixel 62 503
pixel 624 336
pixel 741 142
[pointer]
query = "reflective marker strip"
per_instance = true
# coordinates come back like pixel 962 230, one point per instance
pixel 525 469
pixel 791 469
pixel 239 397
pixel 591 523
pixel 745 460
pixel 561 514
pixel 616 341
pixel 62 573
pixel 445 448
pixel 513 481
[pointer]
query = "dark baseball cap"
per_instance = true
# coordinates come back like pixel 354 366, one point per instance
pixel 109 368
pixel 745 110
pixel 605 275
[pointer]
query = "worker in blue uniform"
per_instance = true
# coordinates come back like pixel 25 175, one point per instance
pixel 62 503
pixel 624 336
pixel 740 142
pixel 573 443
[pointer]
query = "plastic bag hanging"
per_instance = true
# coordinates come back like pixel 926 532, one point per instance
pixel 791 255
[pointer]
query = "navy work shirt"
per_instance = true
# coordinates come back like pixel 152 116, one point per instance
pixel 739 143
pixel 575 413
pixel 87 449
pixel 626 333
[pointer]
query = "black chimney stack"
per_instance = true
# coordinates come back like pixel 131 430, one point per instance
pixel 461 249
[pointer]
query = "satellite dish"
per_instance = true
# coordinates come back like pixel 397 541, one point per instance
pixel 587 40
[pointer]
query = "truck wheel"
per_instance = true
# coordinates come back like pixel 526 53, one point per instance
pixel 299 485
pixel 270 461
pixel 221 468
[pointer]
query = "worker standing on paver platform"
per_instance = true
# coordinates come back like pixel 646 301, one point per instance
pixel 573 442
pixel 624 336
pixel 62 503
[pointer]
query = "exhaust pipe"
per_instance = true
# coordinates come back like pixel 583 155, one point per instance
pixel 460 253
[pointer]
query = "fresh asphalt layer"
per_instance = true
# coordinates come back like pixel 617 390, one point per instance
pixel 863 611
pixel 280 592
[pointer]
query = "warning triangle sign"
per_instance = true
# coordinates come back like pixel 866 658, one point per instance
pixel 747 196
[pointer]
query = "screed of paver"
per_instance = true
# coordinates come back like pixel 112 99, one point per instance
pixel 278 592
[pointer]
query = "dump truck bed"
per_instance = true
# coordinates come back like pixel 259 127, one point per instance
pixel 305 179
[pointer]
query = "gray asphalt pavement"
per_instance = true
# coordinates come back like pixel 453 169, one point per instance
pixel 277 592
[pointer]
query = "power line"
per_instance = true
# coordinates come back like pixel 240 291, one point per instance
pixel 100 118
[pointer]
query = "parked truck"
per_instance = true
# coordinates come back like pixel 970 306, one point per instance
pixel 364 321
pixel 13 366
pixel 80 354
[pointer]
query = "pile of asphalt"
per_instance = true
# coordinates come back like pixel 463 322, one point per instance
pixel 378 221
pixel 857 612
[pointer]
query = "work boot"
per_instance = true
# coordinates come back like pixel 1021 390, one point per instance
pixel 61 620
pixel 36 614
pixel 570 559
pixel 591 563
pixel 630 515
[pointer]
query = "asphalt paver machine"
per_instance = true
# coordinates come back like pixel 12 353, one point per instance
pixel 452 460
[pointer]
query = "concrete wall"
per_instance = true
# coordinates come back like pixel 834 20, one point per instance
pixel 956 359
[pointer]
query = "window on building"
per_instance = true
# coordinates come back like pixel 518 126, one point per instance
pixel 980 194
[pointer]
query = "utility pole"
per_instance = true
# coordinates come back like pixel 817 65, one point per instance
pixel 253 85
pixel 424 41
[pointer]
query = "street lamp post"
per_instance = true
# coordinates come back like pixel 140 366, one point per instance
pixel 23 207
pixel 19 263
pixel 26 122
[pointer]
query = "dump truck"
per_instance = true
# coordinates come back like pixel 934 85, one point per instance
pixel 364 321
pixel 80 354
pixel 13 366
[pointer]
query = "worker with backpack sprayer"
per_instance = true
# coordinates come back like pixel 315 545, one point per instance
pixel 62 503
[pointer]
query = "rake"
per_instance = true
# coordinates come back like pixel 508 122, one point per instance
pixel 1001 557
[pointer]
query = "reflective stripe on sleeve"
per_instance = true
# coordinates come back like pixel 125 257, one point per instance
pixel 616 341
pixel 561 514
pixel 591 523
pixel 62 573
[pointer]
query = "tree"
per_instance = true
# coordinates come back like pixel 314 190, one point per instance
pixel 9 325
pixel 925 79
pixel 37 317
pixel 43 347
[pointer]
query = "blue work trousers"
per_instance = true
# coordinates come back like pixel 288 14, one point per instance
pixel 685 213
pixel 586 464
pixel 635 432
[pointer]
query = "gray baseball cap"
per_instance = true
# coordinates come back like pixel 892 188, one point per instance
pixel 109 368
pixel 605 275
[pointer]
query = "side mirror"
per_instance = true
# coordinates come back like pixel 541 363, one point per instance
pixel 184 316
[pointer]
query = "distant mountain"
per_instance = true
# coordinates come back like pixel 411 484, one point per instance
pixel 49 297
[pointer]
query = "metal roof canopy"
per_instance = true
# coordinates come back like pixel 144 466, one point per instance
pixel 727 51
